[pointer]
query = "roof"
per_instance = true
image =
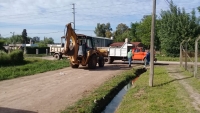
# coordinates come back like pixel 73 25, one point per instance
pixel 121 43
pixel 82 35
pixel 76 34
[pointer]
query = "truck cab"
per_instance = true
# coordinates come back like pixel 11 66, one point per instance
pixel 139 53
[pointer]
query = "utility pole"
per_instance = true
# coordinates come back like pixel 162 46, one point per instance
pixel 12 35
pixel 151 75
pixel 74 14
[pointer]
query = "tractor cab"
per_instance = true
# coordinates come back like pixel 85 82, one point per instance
pixel 85 44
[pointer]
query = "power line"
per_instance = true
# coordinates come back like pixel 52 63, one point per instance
pixel 65 6
pixel 20 15
pixel 46 33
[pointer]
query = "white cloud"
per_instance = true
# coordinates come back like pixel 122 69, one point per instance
pixel 49 16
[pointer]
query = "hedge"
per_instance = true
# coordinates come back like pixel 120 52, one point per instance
pixel 15 57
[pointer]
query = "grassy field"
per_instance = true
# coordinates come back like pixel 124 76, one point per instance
pixel 102 94
pixel 167 96
pixel 162 58
pixel 31 66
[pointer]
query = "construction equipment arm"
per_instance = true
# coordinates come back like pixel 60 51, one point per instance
pixel 71 50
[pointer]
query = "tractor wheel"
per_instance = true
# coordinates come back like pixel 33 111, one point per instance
pixel 92 63
pixel 110 60
pixel 101 62
pixel 74 65
pixel 57 56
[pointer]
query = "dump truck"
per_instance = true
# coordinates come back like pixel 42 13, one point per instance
pixel 120 53
pixel 81 51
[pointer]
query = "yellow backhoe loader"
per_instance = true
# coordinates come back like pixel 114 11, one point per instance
pixel 81 50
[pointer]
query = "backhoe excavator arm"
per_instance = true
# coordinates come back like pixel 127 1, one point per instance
pixel 71 50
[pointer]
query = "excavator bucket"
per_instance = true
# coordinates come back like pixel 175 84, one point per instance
pixel 71 46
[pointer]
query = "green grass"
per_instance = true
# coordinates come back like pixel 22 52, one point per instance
pixel 31 66
pixel 167 96
pixel 102 94
pixel 192 81
pixel 36 55
pixel 160 58
pixel 163 58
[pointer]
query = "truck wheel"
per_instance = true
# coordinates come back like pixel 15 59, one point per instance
pixel 101 62
pixel 57 56
pixel 110 60
pixel 74 66
pixel 92 63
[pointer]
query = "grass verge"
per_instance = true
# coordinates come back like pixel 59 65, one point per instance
pixel 31 66
pixel 160 58
pixel 36 55
pixel 163 58
pixel 167 96
pixel 192 81
pixel 103 94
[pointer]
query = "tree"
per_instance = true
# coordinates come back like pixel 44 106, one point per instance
pixel 144 32
pixel 24 36
pixel 108 34
pixel 43 43
pixel 16 39
pixel 36 39
pixel 175 26
pixel 120 29
pixel 133 29
pixel 102 29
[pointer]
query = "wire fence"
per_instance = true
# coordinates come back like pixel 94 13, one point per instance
pixel 188 61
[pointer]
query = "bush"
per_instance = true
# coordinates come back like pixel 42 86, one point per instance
pixel 4 59
pixel 15 57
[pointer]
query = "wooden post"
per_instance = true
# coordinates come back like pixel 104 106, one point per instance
pixel 196 56
pixel 186 44
pixel 186 56
pixel 151 75
pixel 181 53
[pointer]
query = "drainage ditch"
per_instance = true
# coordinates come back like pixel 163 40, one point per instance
pixel 114 103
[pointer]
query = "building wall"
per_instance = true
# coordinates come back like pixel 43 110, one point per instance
pixel 102 42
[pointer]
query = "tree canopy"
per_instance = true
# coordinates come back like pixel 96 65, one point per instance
pixel 103 30
pixel 175 26
pixel 24 36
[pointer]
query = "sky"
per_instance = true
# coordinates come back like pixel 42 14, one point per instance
pixel 47 18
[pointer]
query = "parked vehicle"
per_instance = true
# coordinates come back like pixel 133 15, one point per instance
pixel 120 53
pixel 139 53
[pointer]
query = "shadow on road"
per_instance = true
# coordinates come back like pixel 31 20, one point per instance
pixel 108 67
pixel 11 110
